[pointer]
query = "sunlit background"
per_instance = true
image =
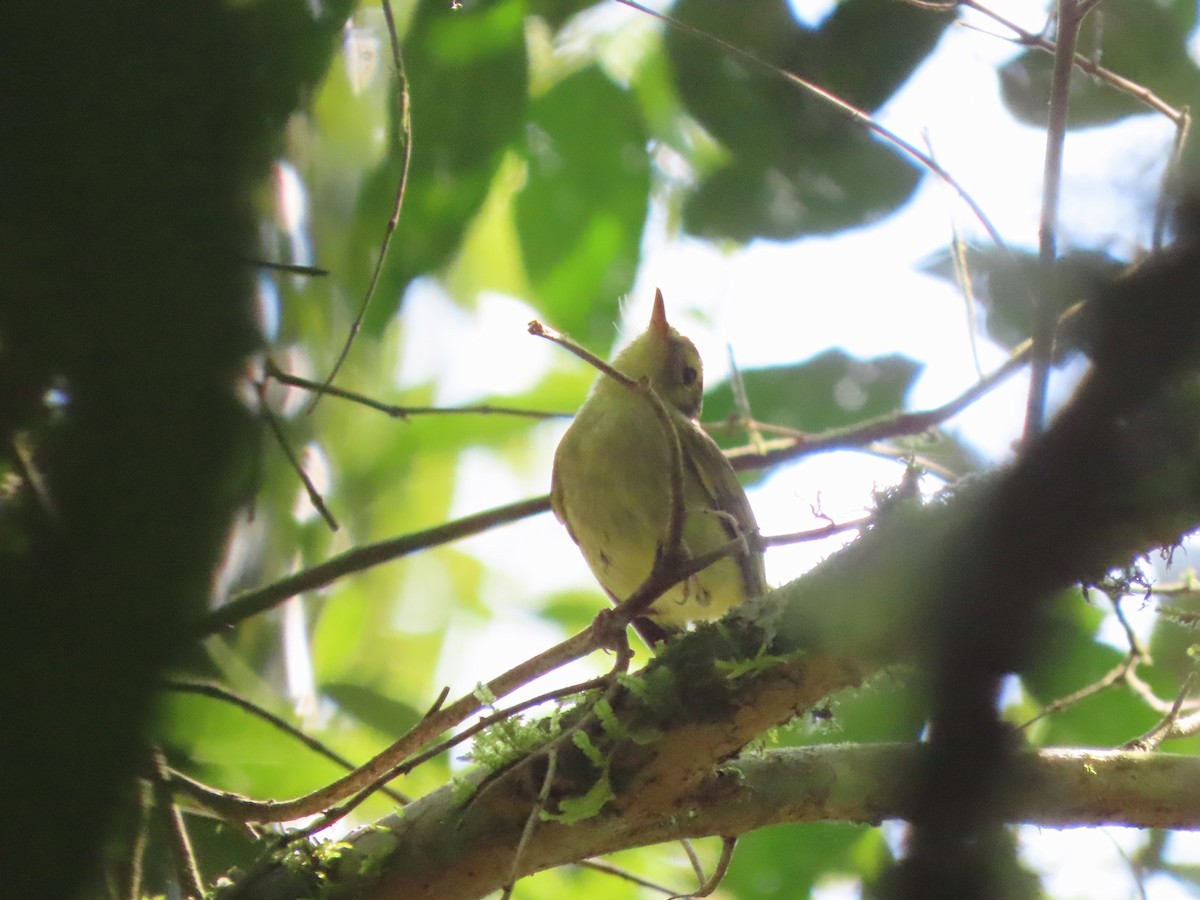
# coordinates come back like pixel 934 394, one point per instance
pixel 461 338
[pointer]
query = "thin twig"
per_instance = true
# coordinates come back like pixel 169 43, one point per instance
pixel 404 412
pixel 222 693
pixel 314 496
pixel 1136 647
pixel 137 853
pixel 334 814
pixel 537 329
pixel 289 268
pixel 1170 180
pixel 405 114
pixel 1167 728
pixel 608 868
pixel 1146 694
pixel 236 807
pixel 27 469
pixel 709 885
pixel 962 277
pixel 670 552
pixel 1045 317
pixel 1114 675
pixel 665 574
pixel 358 559
pixel 878 429
pixel 1112 79
pixel 741 402
pixel 532 819
pixel 1125 671
pixel 186 871
pixel 814 534
pixel 693 857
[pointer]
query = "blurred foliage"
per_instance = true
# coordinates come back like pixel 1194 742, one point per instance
pixel 581 212
pixel 543 140
pixel 1007 283
pixel 795 165
pixel 467 88
pixel 832 390
pixel 1143 42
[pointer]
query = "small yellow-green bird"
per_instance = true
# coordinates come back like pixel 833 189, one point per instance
pixel 611 483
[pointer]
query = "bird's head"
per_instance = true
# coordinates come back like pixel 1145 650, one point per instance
pixel 668 360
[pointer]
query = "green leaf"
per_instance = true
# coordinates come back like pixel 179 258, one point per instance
pixel 830 390
pixel 467 84
pixel 797 165
pixel 1006 284
pixel 557 13
pixel 574 610
pixel 581 213
pixel 1145 43
pixel 788 860
pixel 384 714
pixel 1077 660
pixel 889 708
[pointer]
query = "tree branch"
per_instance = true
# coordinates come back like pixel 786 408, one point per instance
pixel 832 783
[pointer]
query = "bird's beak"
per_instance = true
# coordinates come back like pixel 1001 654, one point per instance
pixel 658 317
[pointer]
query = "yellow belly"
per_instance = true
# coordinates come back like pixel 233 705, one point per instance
pixel 611 489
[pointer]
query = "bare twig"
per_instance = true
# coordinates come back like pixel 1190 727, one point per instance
pixel 404 412
pixel 335 813
pixel 1146 694
pixel 191 885
pixel 289 268
pixel 814 534
pixel 1170 179
pixel 1081 62
pixel 222 693
pixel 405 116
pixel 693 857
pixel 709 885
pixel 1169 726
pixel 878 429
pixel 236 807
pixel 314 496
pixel 741 403
pixel 1107 680
pixel 532 819
pixel 137 853
pixel 1125 671
pixel 962 277
pixel 537 329
pixel 608 868
pixel 1045 318
pixel 358 559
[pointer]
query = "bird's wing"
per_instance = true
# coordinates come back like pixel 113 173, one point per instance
pixel 558 503
pixel 702 455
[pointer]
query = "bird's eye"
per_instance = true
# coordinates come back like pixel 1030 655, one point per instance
pixel 689 375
